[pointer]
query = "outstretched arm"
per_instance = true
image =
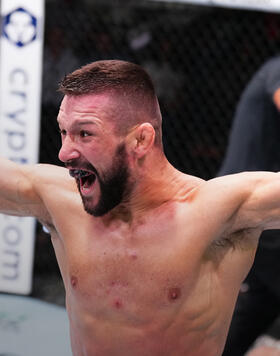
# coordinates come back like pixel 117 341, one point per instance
pixel 242 201
pixel 17 193
pixel 253 200
pixel 261 206
pixel 25 189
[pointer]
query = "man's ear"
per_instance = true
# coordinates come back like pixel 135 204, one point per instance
pixel 143 137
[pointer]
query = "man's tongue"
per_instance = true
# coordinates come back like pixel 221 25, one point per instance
pixel 87 182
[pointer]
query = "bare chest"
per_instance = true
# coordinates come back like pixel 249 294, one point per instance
pixel 149 283
pixel 125 272
pixel 128 277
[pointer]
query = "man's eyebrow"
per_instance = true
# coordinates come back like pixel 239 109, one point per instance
pixel 83 123
pixel 78 124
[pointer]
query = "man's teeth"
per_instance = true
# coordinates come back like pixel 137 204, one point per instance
pixel 83 173
pixel 72 173
pixel 78 173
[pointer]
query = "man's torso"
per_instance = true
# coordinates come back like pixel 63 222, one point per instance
pixel 153 287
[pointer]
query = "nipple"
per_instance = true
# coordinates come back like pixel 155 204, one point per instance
pixel 174 293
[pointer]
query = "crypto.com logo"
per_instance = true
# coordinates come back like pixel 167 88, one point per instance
pixel 20 27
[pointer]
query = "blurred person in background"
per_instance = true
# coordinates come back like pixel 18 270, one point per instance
pixel 254 146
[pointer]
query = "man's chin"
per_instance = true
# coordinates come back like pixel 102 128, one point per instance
pixel 92 210
pixel 88 204
pixel 100 209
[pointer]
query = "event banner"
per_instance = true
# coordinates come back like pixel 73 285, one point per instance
pixel 21 45
pixel 262 5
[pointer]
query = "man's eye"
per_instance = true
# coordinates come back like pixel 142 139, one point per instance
pixel 62 132
pixel 84 133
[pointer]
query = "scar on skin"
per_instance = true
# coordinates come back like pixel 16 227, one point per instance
pixel 174 293
pixel 74 281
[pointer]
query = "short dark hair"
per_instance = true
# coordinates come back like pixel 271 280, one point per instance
pixel 100 76
pixel 121 78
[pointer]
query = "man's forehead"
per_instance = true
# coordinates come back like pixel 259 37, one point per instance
pixel 96 107
pixel 86 102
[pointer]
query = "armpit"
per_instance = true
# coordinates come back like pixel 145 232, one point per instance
pixel 243 240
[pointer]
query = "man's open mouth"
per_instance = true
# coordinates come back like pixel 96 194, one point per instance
pixel 85 178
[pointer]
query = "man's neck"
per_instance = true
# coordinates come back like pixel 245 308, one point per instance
pixel 154 186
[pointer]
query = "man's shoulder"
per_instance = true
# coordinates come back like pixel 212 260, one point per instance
pixel 233 181
pixel 220 185
pixel 218 199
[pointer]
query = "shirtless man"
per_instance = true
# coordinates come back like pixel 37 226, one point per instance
pixel 151 258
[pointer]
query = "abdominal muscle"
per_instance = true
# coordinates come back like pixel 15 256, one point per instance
pixel 105 339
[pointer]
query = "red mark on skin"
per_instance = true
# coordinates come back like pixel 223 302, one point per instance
pixel 134 256
pixel 74 281
pixel 118 304
pixel 174 293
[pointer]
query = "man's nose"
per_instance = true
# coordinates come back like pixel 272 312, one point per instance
pixel 68 150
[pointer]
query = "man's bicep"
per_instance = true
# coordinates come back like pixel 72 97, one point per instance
pixel 261 208
pixel 242 201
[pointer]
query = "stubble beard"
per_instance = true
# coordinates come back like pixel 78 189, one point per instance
pixel 114 185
